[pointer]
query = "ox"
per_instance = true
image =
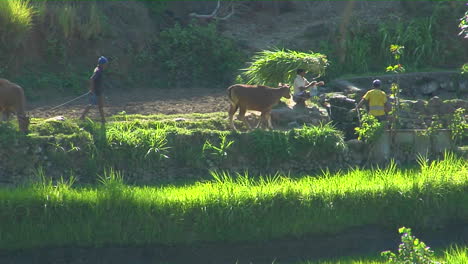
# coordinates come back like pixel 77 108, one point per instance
pixel 257 98
pixel 12 100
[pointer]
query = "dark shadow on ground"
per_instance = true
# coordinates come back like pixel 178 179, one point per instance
pixel 356 242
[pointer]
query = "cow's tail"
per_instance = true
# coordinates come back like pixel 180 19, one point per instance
pixel 229 93
pixel 234 105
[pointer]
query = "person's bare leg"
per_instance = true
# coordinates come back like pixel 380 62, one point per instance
pixel 101 108
pixel 85 112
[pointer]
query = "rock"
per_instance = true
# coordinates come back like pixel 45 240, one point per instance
pixel 356 145
pixel 429 88
pixel 347 87
pixel 457 103
pixel 337 99
pixel 434 105
pixel 299 116
pixel 463 86
pixel 293 124
pixel 417 106
pixel 448 86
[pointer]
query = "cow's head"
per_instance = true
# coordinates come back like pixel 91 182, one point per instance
pixel 23 123
pixel 286 89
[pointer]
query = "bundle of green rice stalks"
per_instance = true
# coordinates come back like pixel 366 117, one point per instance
pixel 280 66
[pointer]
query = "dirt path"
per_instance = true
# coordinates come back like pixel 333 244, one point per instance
pixel 145 102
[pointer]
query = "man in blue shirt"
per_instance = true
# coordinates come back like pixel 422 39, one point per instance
pixel 95 90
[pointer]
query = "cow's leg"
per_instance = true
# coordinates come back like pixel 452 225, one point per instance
pixel 232 110
pixel 261 121
pixel 242 112
pixel 268 115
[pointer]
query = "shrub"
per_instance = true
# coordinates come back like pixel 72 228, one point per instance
pixel 411 250
pixel 197 55
pixel 370 129
pixel 317 142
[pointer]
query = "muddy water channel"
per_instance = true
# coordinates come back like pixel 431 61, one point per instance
pixel 356 242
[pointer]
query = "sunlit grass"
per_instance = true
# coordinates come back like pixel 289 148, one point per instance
pixel 16 17
pixel 233 208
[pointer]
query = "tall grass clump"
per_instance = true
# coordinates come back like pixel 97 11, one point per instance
pixel 318 141
pixel 234 208
pixel 66 18
pixel 270 67
pixel 16 20
pixel 94 26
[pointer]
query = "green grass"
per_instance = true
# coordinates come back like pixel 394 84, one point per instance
pixel 454 255
pixel 232 208
pixel 16 19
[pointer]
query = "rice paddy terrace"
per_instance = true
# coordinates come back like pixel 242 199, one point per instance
pixel 88 202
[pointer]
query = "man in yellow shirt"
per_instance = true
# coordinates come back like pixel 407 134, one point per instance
pixel 377 100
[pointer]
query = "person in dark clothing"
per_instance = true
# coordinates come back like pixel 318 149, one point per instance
pixel 95 90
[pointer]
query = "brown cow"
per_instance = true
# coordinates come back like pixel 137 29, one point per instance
pixel 255 97
pixel 12 100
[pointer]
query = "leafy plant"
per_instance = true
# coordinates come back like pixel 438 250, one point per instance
pixel 432 129
pixel 410 251
pixel 458 125
pixel 370 129
pixel 219 153
pixel 111 179
pixel 464 31
pixel 397 52
pixel 464 25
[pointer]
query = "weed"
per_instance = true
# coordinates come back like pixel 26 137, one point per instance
pixel 218 153
pixel 411 250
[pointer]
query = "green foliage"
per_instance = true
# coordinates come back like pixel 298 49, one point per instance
pixel 427 39
pixel 397 52
pixel 280 66
pixel 464 68
pixel 16 20
pixel 436 124
pixel 218 153
pixel 197 55
pixel 156 8
pixel 370 129
pixel 233 209
pixel 111 179
pixel 458 125
pixel 318 142
pixel 53 127
pixel 268 148
pixel 411 250
pixel 66 19
pixel 464 25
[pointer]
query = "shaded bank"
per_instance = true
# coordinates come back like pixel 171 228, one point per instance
pixel 354 242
